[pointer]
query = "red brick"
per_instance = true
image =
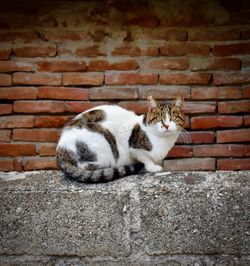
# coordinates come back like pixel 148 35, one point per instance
pixel 135 51
pixel 16 121
pixel 15 93
pixel 247 120
pixel 205 122
pixel 60 36
pixel 42 135
pixel 92 51
pixel 181 49
pixel 137 107
pixel 180 152
pixel 77 107
pixel 35 51
pixel 148 21
pixel 63 93
pixel 62 66
pixel 5 53
pixel 196 137
pixel 236 135
pixel 7 165
pixel 40 164
pixel 245 64
pixel 175 35
pixel 107 93
pixel 200 63
pixel 214 35
pixel 199 107
pixel 90 78
pixel 233 164
pixel 131 79
pixel 245 35
pixel 167 63
pixel 51 121
pixel 5 109
pixel 12 149
pixel 39 107
pixel 163 93
pixel 5 135
pixel 183 78
pixel 5 80
pixel 218 150
pixel 102 65
pixel 231 49
pixel 190 164
pixel 246 92
pixel 13 36
pixel 37 79
pixel 47 149
pixel 231 78
pixel 13 66
pixel 209 93
pixel 247 150
pixel 233 107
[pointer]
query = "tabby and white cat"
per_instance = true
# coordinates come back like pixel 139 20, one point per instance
pixel 108 142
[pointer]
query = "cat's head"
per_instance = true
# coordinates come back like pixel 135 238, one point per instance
pixel 165 118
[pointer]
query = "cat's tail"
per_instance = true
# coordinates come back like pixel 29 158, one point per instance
pixel 69 167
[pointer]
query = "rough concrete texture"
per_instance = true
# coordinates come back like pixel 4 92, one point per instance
pixel 180 218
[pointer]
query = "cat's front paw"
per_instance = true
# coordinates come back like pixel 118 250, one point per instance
pixel 153 168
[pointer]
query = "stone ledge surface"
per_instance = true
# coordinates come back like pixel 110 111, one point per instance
pixel 169 218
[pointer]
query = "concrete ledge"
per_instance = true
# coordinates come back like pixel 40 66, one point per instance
pixel 181 218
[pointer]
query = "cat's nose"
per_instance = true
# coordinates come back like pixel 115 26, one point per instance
pixel 166 126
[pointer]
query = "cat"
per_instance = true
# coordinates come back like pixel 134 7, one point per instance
pixel 109 142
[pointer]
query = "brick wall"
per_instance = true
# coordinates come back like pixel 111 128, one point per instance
pixel 59 58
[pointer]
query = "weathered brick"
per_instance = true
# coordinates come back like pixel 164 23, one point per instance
pixel 214 35
pixel 79 106
pixel 42 135
pixel 90 78
pixel 16 121
pixel 231 49
pixel 102 65
pixel 15 93
pixel 5 53
pixel 62 93
pixel 108 93
pixel 47 149
pixel 62 66
pixel 233 164
pixel 13 66
pixel 164 92
pixel 7 165
pixel 235 135
pixel 6 109
pixel 247 150
pixel 231 78
pixel 148 21
pixel 180 151
pixel 245 34
pixel 247 120
pixel 39 107
pixel 137 107
pixel 205 122
pixel 218 150
pixel 91 51
pixel 181 49
pixel 199 107
pixel 5 135
pixel 209 93
pixel 183 78
pixel 135 51
pixel 130 79
pixel 246 92
pixel 201 164
pixel 60 35
pixel 167 63
pixel 233 107
pixel 35 51
pixel 13 36
pixel 36 78
pixel 5 80
pixel 40 163
pixel 51 121
pixel 196 137
pixel 175 35
pixel 13 149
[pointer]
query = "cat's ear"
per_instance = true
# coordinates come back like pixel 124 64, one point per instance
pixel 152 104
pixel 178 102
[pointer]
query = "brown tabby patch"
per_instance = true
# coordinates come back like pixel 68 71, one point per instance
pixel 139 139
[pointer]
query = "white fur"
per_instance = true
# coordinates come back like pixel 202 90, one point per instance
pixel 120 122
